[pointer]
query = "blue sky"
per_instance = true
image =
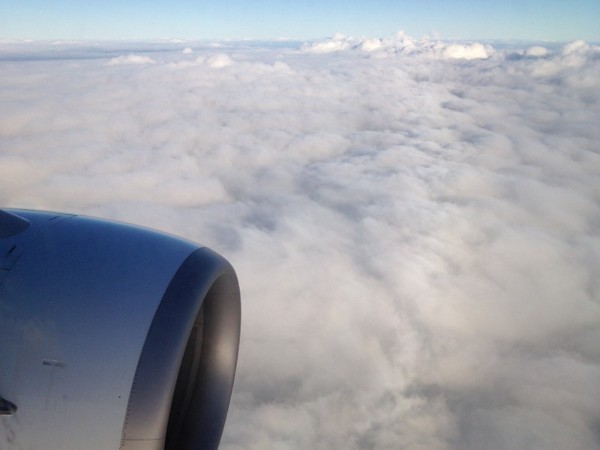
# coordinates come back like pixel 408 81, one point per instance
pixel 264 19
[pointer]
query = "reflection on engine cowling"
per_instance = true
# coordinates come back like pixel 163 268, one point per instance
pixel 114 336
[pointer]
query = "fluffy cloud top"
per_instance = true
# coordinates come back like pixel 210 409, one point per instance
pixel 417 234
pixel 536 51
pixel 131 59
pixel 401 44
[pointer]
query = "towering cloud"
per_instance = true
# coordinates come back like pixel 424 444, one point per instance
pixel 415 224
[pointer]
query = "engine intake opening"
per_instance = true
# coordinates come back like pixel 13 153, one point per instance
pixel 183 383
pixel 205 379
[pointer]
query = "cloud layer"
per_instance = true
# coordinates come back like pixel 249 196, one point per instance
pixel 415 224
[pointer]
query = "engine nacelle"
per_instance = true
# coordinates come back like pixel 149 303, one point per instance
pixel 112 336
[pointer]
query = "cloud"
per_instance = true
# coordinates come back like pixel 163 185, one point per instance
pixel 416 233
pixel 536 51
pixel 400 44
pixel 336 43
pixel 459 51
pixel 219 61
pixel 130 59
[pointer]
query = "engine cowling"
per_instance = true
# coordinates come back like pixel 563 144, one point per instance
pixel 113 336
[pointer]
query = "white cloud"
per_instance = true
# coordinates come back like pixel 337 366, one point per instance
pixel 416 233
pixel 401 44
pixel 131 59
pixel 575 47
pixel 219 61
pixel 537 51
pixel 371 45
pixel 336 43
pixel 470 51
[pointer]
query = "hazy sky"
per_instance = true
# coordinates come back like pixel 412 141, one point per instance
pixel 118 19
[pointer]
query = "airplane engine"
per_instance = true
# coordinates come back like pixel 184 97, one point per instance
pixel 112 336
